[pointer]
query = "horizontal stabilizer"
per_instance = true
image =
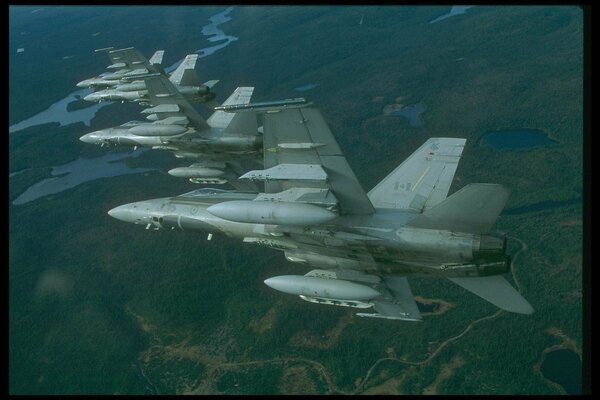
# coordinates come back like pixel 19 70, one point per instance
pixel 472 209
pixel 211 83
pixel 497 291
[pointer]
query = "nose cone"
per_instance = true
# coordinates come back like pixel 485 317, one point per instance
pixel 282 284
pixel 272 282
pixel 121 213
pixel 84 83
pixel 93 97
pixel 88 138
pixel 96 137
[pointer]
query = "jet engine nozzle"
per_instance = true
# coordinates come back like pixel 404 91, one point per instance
pixel 489 247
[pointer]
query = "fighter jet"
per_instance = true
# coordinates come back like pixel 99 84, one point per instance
pixel 218 145
pixel 126 62
pixel 132 86
pixel 363 245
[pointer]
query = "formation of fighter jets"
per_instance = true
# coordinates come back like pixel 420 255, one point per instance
pixel 296 193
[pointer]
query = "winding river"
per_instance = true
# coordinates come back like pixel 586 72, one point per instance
pixel 455 10
pixel 76 172
pixel 86 169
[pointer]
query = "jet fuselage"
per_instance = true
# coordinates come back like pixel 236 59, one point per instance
pixel 211 141
pixel 391 244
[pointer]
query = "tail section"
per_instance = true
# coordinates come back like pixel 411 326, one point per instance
pixel 242 124
pixel 168 102
pixel 210 84
pixel 157 58
pixel 185 74
pixel 223 120
pixel 472 209
pixel 497 291
pixel 423 179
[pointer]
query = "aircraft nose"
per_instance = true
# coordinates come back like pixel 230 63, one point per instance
pixel 121 213
pixel 87 138
pixel 90 97
pixel 83 84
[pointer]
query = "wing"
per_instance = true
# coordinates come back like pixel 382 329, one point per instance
pixel 169 102
pixel 302 156
pixel 423 179
pixel 131 57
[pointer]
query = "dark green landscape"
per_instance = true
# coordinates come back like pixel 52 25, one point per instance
pixel 97 306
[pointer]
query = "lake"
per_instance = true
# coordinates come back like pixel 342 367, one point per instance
pixel 563 367
pixel 58 111
pixel 86 169
pixel 428 308
pixel 82 170
pixel 412 113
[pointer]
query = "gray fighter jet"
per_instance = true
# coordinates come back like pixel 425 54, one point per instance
pixel 364 245
pixel 131 85
pixel 219 145
pixel 125 62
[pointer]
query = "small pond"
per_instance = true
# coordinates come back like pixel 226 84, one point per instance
pixel 412 113
pixel 564 368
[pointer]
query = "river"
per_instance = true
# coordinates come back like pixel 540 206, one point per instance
pixel 455 10
pixel 58 112
pixel 82 170
pixel 86 169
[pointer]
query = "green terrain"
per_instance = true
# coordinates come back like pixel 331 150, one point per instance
pixel 97 306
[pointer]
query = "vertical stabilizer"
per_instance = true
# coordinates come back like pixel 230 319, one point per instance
pixel 222 119
pixel 157 57
pixel 423 179
pixel 185 74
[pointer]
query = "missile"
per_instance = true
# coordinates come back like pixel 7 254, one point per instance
pixel 157 130
pixel 269 212
pixel 252 106
pixel 196 172
pixel 323 288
